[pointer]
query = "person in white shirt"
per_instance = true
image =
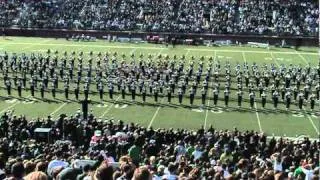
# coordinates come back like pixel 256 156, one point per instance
pixel 197 153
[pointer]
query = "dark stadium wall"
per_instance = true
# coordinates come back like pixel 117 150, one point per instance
pixel 61 33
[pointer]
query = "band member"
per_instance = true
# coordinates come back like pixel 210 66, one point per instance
pixel 295 93
pixel 110 87
pixel 86 91
pixel 169 94
pixel 306 91
pixel 100 88
pixel 66 90
pixel 215 96
pixel 275 97
pixel 42 86
pixel 123 91
pixel 226 97
pixel 8 85
pixel 53 90
pixel 300 100
pixel 19 88
pixel 263 99
pixel 133 91
pixel 32 87
pixel 312 101
pixel 180 95
pixel 144 93
pixel 191 91
pixel 251 98
pixel 203 95
pixel 76 91
pixel 288 100
pixel 318 90
pixel 156 93
pixel 239 94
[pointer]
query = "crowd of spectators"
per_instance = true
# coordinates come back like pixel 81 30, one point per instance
pixel 106 150
pixel 272 17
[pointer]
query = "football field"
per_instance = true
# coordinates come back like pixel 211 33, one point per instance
pixel 163 115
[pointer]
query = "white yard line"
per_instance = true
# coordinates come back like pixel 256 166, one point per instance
pixel 109 108
pixel 303 58
pixel 186 55
pixel 156 113
pixel 255 104
pixel 58 109
pixel 208 104
pixel 258 117
pixel 275 60
pixel 244 57
pixel 154 116
pixel 13 105
pixel 311 121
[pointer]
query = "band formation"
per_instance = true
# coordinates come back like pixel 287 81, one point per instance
pixel 131 77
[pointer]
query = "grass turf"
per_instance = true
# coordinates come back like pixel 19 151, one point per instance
pixel 163 115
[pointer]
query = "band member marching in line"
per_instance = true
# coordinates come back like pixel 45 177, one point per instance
pixel 239 95
pixel 32 87
pixel 180 95
pixel 251 99
pixel 76 91
pixel 19 88
pixel 203 96
pixel 169 94
pixel 288 100
pixel 263 99
pixel 110 88
pixel 8 86
pixel 123 90
pixel 133 91
pixel 86 90
pixel 155 93
pixel 42 88
pixel 300 100
pixel 144 93
pixel 101 90
pixel 215 96
pixel 226 97
pixel 66 90
pixel 191 92
pixel 53 90
pixel 312 101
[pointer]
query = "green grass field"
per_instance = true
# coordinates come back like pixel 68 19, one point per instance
pixel 163 115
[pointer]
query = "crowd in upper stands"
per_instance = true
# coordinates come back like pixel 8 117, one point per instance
pixel 271 17
pixel 128 151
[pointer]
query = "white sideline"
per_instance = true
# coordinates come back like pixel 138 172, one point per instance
pixel 13 105
pixel 129 47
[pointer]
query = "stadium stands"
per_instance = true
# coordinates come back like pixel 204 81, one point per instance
pixel 128 151
pixel 275 17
